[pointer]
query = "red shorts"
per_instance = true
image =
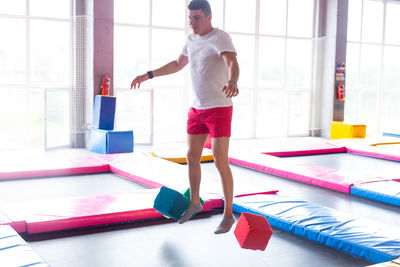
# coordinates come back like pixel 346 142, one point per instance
pixel 214 121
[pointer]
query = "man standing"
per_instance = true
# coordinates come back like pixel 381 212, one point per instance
pixel 214 72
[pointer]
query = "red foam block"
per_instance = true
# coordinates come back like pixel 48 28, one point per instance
pixel 253 231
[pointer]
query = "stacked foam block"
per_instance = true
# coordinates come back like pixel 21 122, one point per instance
pixel 104 139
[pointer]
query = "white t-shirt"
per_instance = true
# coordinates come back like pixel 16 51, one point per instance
pixel 208 69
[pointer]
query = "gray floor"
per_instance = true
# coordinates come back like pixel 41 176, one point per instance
pixel 65 186
pixel 345 161
pixel 166 243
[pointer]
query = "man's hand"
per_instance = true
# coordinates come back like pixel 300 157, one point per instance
pixel 138 80
pixel 230 89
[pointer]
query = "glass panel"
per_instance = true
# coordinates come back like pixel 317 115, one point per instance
pixel 57 118
pixel 391 67
pixel 240 16
pixel 12 51
pixel 300 18
pixel 242 110
pixel 15 7
pixel 128 11
pixel 354 20
pixel 269 113
pixel 169 13
pixel 299 63
pixel 170 116
pixel 372 21
pixel 370 66
pixel 273 17
pixel 271 61
pixel 350 106
pixel 13 128
pixel 217 10
pixel 392 35
pixel 245 54
pixel 134 112
pixel 130 54
pixel 50 8
pixel 167 46
pixel 391 112
pixel 35 119
pixel 50 52
pixel 368 112
pixel 352 65
pixel 299 113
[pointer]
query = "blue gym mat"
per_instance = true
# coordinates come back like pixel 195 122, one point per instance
pixel 383 191
pixel 357 236
pixel 14 251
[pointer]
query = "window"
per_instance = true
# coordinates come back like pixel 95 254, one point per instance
pixel 156 111
pixel 275 53
pixel 373 49
pixel 35 73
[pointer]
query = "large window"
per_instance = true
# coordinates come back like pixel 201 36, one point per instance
pixel 35 74
pixel 274 41
pixel 373 65
pixel 156 111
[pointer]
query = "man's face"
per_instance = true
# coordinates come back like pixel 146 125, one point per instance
pixel 199 22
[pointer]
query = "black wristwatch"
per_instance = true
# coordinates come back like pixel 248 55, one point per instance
pixel 150 74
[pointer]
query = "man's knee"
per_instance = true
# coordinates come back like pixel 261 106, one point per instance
pixel 221 162
pixel 193 158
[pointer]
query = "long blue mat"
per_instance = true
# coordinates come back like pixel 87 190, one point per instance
pixel 14 251
pixel 383 191
pixel 357 236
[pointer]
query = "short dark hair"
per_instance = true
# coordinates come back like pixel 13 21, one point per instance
pixel 200 4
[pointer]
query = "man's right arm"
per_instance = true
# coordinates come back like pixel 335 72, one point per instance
pixel 169 68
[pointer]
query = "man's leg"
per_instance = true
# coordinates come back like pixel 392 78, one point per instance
pixel 220 147
pixel 193 157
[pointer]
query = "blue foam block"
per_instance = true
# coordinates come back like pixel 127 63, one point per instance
pixel 170 203
pixel 104 112
pixel 382 191
pixel 109 142
pixel 14 251
pixel 364 238
pixel 119 142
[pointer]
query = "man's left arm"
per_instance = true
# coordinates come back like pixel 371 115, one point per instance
pixel 231 88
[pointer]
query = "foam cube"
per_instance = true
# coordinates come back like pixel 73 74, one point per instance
pixel 253 231
pixel 109 142
pixel 104 112
pixel 347 130
pixel 170 203
pixel 186 193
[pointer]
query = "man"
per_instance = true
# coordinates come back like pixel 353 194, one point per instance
pixel 214 72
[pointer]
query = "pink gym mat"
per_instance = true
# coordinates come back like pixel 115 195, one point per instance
pixel 325 177
pixel 150 171
pixel 288 147
pixel 365 147
pixel 69 213
pixel 52 167
pixel 19 226
pixel 316 175
pixel 375 152
pixel 298 149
